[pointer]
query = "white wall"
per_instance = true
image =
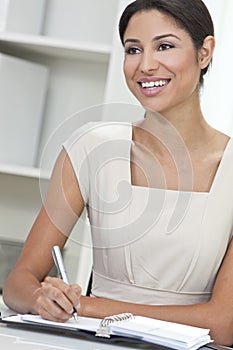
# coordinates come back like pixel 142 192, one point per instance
pixel 217 99
pixel 116 88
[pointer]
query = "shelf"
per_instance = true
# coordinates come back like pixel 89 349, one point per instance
pixel 24 171
pixel 13 44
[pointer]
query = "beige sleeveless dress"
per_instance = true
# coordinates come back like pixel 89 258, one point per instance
pixel 150 246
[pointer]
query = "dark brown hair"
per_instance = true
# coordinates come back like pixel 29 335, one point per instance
pixel 190 15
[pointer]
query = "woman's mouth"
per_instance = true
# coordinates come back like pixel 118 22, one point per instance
pixel 152 84
pixel 151 88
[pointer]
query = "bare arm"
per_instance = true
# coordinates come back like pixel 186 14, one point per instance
pixel 217 314
pixel 63 205
pixel 52 299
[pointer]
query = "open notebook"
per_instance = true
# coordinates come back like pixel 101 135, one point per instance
pixel 168 334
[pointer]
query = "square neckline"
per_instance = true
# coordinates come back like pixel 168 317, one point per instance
pixel 220 166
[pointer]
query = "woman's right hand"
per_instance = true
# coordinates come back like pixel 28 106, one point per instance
pixel 55 300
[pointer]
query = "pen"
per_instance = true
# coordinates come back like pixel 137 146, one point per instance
pixel 58 260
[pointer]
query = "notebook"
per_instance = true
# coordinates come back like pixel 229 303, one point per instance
pixel 167 334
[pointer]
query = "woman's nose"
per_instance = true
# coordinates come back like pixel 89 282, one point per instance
pixel 149 62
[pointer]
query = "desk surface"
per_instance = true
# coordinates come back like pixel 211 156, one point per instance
pixel 19 339
pixel 13 338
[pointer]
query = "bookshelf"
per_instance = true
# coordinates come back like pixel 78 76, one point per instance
pixel 25 45
pixel 79 56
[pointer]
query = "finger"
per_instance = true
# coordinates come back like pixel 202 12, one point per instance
pixel 72 292
pixel 50 311
pixel 57 296
pixel 54 281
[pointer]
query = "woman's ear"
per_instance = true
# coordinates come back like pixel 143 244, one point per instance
pixel 206 51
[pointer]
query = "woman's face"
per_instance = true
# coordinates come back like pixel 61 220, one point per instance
pixel 161 66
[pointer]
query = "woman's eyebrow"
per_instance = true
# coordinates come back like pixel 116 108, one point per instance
pixel 162 36
pixel 157 37
pixel 131 41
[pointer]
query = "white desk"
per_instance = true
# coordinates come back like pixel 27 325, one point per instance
pixel 12 338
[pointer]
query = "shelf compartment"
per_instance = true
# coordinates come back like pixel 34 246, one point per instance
pixel 24 171
pixel 18 44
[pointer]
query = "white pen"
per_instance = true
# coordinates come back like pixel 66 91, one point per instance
pixel 58 260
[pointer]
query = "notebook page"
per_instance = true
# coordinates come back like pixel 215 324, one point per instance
pixel 83 323
pixel 178 345
pixel 155 330
pixel 143 328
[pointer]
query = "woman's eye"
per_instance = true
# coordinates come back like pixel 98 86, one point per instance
pixel 132 50
pixel 163 47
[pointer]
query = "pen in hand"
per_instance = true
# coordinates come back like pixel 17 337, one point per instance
pixel 58 260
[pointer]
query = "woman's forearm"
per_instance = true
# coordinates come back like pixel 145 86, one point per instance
pixel 19 295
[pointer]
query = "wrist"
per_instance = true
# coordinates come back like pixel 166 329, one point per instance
pixel 95 307
pixel 35 295
pixel 82 309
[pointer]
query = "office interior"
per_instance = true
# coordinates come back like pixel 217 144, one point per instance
pixel 61 66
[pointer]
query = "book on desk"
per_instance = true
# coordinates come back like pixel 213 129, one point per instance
pixel 169 335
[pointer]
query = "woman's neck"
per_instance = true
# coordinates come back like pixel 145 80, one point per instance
pixel 192 130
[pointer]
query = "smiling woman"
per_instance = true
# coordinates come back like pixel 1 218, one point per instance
pixel 155 43
pixel 194 22
pixel 155 190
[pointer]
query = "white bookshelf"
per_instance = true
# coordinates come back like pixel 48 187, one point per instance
pixel 28 172
pixel 77 55
pixel 23 45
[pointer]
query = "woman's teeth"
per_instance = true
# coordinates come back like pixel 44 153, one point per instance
pixel 151 84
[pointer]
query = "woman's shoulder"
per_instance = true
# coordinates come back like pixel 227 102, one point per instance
pixel 94 132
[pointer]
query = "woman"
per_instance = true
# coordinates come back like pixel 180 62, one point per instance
pixel 164 248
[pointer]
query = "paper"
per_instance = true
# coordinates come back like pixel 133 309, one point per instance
pixel 173 335
pixel 83 323
pixel 164 333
